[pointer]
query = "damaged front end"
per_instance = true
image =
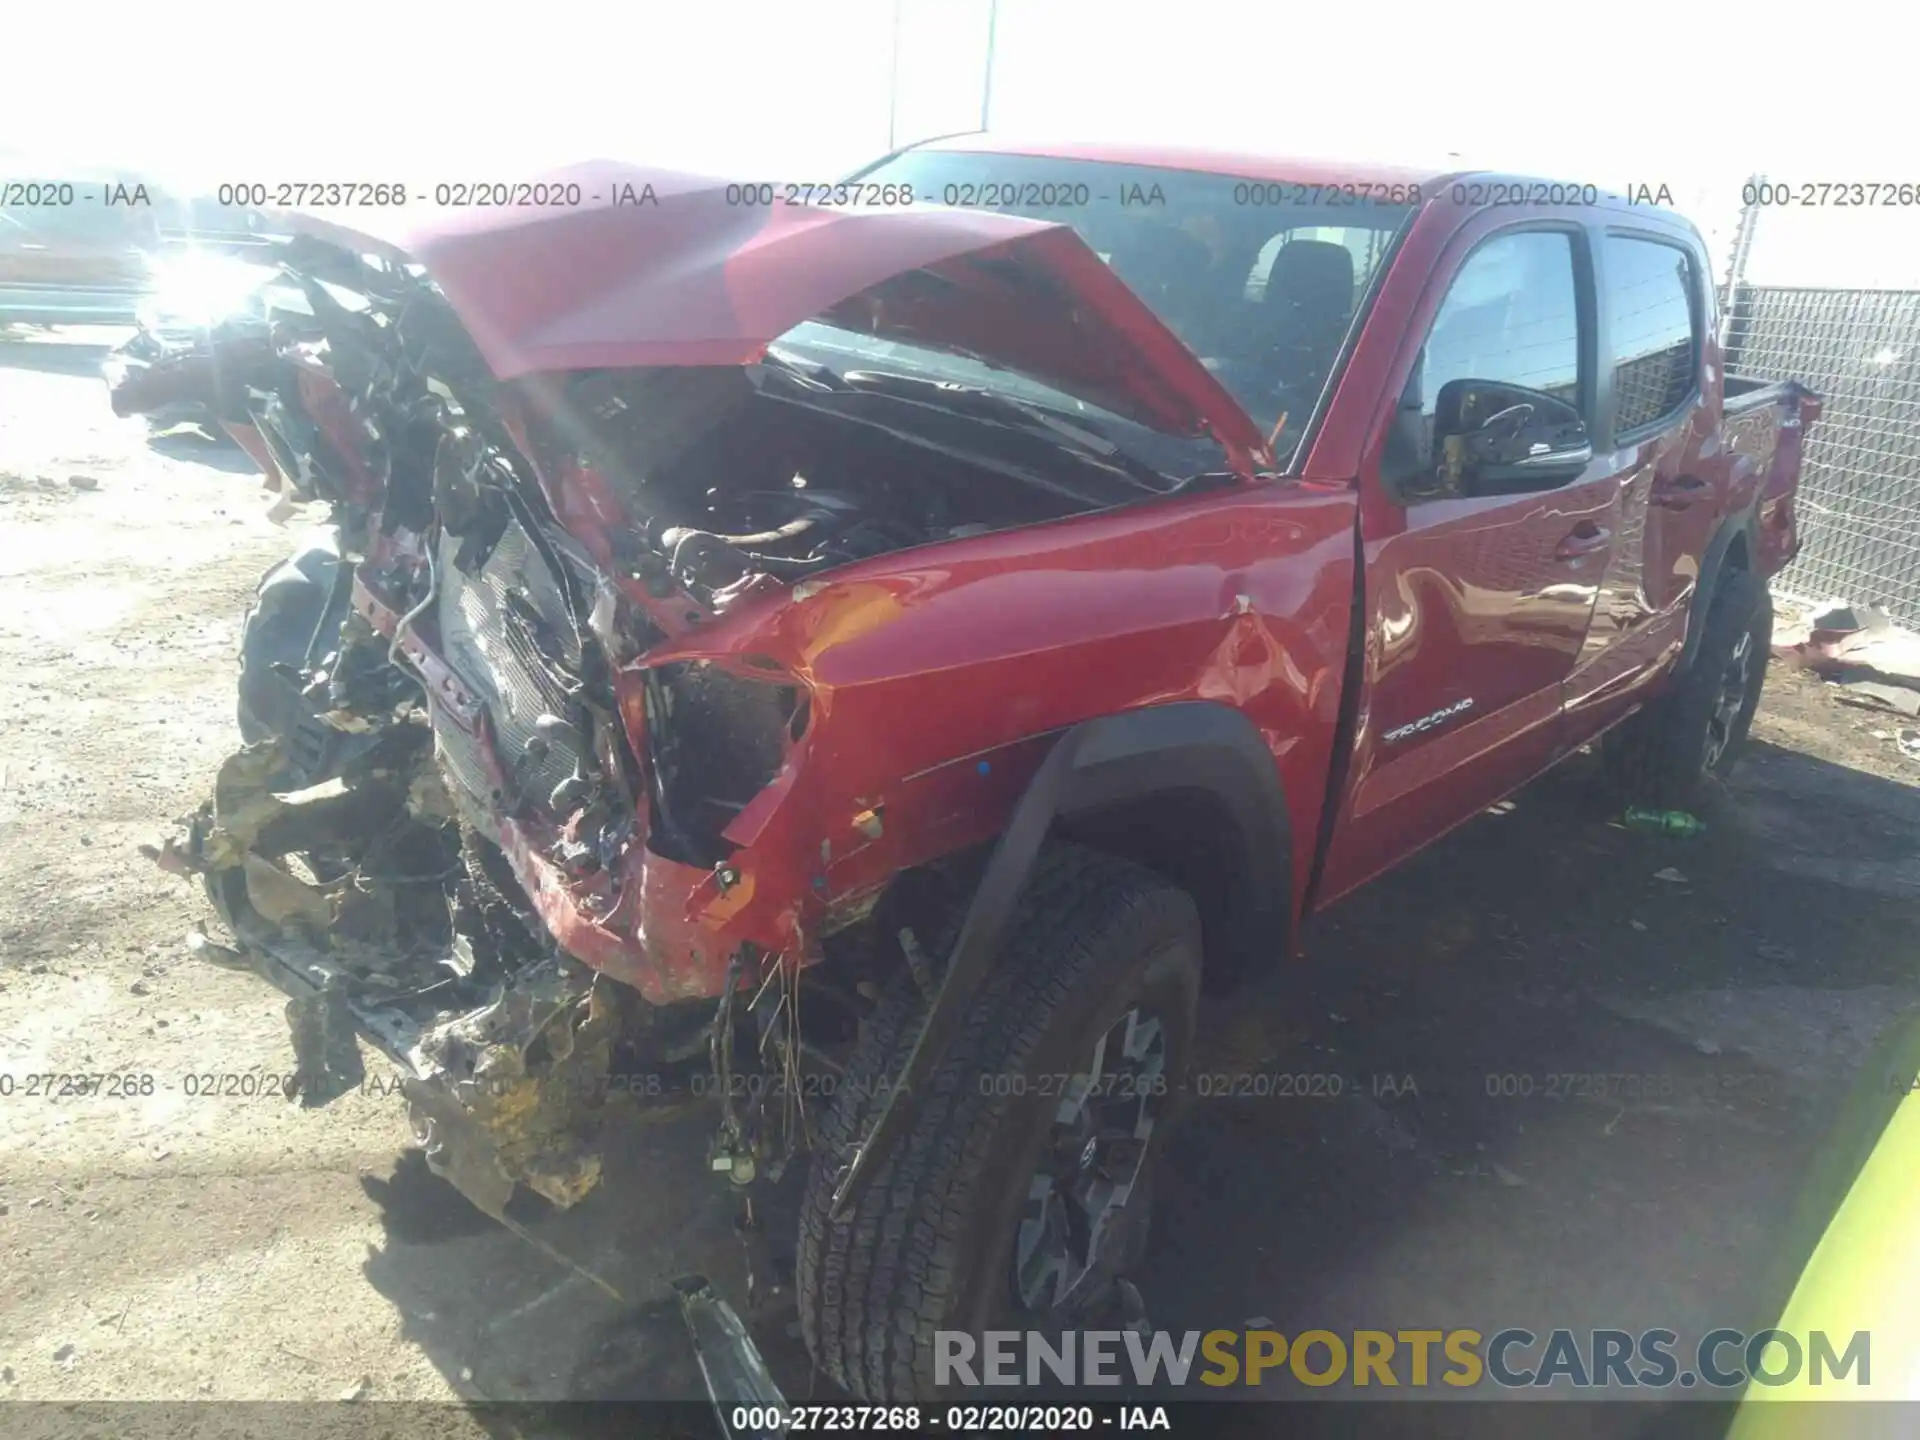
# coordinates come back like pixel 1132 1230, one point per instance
pixel 359 898
pixel 540 792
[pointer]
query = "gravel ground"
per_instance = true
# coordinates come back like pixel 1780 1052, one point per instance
pixel 165 1245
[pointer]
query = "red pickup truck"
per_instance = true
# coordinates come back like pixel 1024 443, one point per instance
pixel 869 663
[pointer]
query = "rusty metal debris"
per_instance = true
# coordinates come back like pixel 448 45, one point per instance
pixel 516 1091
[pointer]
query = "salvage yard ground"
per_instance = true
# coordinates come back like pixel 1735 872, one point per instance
pixel 1486 1162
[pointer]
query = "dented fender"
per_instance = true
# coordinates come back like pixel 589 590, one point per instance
pixel 862 797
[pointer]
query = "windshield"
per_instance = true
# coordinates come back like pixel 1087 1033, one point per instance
pixel 842 351
pixel 1259 279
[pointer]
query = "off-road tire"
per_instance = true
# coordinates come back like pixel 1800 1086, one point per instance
pixel 929 1244
pixel 1661 757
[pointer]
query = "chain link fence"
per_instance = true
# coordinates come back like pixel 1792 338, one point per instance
pixel 1859 497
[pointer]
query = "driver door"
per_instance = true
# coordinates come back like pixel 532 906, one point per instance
pixel 1478 594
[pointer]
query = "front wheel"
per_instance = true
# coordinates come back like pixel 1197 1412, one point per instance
pixel 1661 757
pixel 1018 1195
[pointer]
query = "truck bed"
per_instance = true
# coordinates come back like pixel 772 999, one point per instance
pixel 1765 421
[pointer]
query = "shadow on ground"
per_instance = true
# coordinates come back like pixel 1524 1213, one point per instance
pixel 56 352
pixel 202 447
pixel 1550 1073
pixel 506 1321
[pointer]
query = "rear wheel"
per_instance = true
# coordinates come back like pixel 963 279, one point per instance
pixel 1661 757
pixel 1019 1193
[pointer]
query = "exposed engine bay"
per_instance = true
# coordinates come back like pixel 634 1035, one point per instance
pixel 490 804
pixel 772 473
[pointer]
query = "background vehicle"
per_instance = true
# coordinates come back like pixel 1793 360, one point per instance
pixel 745 612
pixel 67 256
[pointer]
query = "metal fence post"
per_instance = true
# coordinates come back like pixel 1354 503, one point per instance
pixel 1737 260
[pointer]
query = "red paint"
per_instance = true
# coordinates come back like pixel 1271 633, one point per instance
pixel 326 405
pixel 993 641
pixel 1497 599
pixel 1040 648
pixel 935 676
pixel 696 280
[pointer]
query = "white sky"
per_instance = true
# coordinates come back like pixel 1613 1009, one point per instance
pixel 1635 91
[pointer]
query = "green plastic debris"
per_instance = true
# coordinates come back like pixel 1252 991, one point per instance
pixel 1667 822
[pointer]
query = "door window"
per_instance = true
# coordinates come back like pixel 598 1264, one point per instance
pixel 1510 321
pixel 1510 317
pixel 1651 330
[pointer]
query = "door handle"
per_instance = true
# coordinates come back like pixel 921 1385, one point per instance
pixel 1678 493
pixel 1583 539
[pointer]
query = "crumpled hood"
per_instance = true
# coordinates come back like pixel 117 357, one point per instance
pixel 655 268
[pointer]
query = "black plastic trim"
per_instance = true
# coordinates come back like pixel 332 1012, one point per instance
pixel 1356 325
pixel 1743 522
pixel 1184 746
pixel 1347 728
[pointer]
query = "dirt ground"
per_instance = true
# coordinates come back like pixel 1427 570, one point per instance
pixel 161 1244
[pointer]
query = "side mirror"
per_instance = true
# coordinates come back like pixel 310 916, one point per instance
pixel 1495 439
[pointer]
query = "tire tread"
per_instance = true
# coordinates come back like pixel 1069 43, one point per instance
pixel 874 1287
pixel 1656 758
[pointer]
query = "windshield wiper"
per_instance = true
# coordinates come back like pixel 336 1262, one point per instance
pixel 1011 410
pixel 810 374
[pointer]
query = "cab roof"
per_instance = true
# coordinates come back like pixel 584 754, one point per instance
pixel 1308 170
pixel 1300 169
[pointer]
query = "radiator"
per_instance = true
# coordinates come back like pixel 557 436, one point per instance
pixel 494 651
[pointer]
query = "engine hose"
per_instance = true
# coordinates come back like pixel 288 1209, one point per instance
pixel 406 620
pixel 679 535
pixel 684 545
pixel 795 527
pixel 782 565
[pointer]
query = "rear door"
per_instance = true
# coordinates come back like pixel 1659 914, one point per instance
pixel 1477 604
pixel 1659 421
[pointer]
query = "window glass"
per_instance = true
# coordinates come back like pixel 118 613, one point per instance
pixel 1510 317
pixel 1259 280
pixel 1366 245
pixel 1650 328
